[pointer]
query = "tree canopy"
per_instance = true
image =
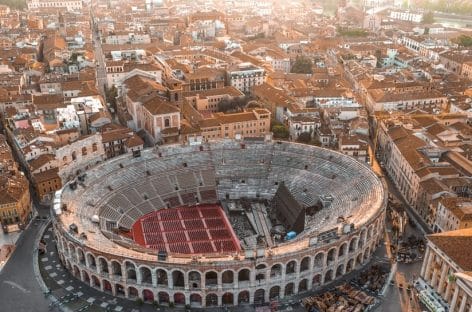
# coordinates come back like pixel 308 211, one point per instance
pixel 280 131
pixel 233 105
pixel 464 41
pixel 302 65
pixel 428 18
pixel 14 4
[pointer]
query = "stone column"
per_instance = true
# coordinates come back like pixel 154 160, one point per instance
pixel 442 278
pixel 463 302
pixel 454 299
pixel 170 281
pixel 154 278
pixel 425 261
pixel 428 265
pixel 448 290
pixel 434 278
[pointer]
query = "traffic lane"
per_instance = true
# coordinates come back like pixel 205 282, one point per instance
pixel 19 290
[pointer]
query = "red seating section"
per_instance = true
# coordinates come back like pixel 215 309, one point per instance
pixel 202 229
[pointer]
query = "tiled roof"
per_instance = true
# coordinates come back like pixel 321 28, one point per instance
pixel 455 244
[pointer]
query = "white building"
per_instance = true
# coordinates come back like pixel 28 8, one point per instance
pixel 244 76
pixel 406 16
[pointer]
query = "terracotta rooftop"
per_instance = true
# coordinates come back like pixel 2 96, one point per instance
pixel 455 245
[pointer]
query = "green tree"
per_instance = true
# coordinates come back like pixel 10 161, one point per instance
pixel 111 95
pixel 464 41
pixel 280 131
pixel 14 4
pixel 428 17
pixel 302 65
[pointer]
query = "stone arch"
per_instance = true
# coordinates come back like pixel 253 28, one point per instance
pixel 289 288
pixel 120 290
pixel 243 297
pixel 195 300
pixel 244 275
pixel 162 278
pixel 146 275
pixel 319 260
pixel 85 277
pixel 362 238
pixel 96 282
pixel 227 277
pixel 331 257
pixel 261 266
pixel 194 280
pixel 81 256
pixel 276 270
pixel 367 253
pixel 211 279
pixel 353 244
pixel 148 295
pixel 291 267
pixel 328 276
pixel 350 265
pixel 360 259
pixel 303 285
pixel 116 268
pixel 370 232
pixel 132 292
pixel 107 286
pixel 342 251
pixel 163 297
pixel 227 299
pixel 305 264
pixel 259 296
pixel 130 268
pixel 103 264
pixel 76 272
pixel 72 252
pixel 340 270
pixel 179 298
pixel 91 261
pixel 317 280
pixel 211 300
pixel 274 292
pixel 178 278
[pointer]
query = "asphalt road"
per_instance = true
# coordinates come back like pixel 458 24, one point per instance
pixel 19 290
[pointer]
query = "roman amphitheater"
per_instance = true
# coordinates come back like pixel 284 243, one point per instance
pixel 222 223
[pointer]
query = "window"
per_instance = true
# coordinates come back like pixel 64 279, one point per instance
pixel 74 155
pixel 84 151
pixel 167 122
pixel 94 147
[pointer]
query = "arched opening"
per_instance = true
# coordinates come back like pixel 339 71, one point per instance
pixel 305 264
pixel 107 287
pixel 84 151
pixel 316 280
pixel 227 299
pixel 91 262
pixel 349 265
pixel 259 296
pixel 276 271
pixel 103 265
pixel 74 155
pixel 96 282
pixel 370 232
pixel 119 290
pixel 289 289
pixel 331 256
pixel 362 239
pixel 195 300
pixel 148 296
pixel 81 256
pixel 290 267
pixel 116 269
pixel 166 122
pixel 86 277
pixel 211 279
pixel 328 276
pixel 76 272
pixel 260 272
pixel 244 275
pixel 146 276
pixel 227 277
pixel 132 293
pixel 367 253
pixel 359 259
pixel 274 292
pixel 179 299
pixel 130 272
pixel 194 280
pixel 178 278
pixel 340 271
pixel 211 300
pixel 319 260
pixel 163 297
pixel 303 285
pixel 353 245
pixel 243 297
pixel 342 250
pixel 162 277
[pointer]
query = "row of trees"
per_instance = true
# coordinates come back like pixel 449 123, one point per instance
pixel 14 4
